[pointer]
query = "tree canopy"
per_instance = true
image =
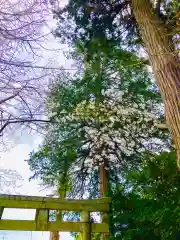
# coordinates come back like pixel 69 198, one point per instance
pixel 101 118
pixel 109 21
pixel 105 140
pixel 146 206
pixel 136 25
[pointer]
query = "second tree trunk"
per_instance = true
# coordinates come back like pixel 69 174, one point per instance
pixel 164 63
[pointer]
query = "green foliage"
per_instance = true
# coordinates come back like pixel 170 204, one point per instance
pixel 90 127
pixel 109 21
pixel 80 107
pixel 95 236
pixel 146 205
pixel 111 103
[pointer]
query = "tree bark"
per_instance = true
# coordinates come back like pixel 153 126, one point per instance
pixel 62 194
pixel 54 236
pixel 103 181
pixel 164 63
pixel 103 189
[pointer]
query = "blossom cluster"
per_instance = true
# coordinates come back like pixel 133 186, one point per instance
pixel 113 128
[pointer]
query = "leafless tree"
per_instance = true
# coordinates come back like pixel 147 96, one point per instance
pixel 22 80
pixel 10 181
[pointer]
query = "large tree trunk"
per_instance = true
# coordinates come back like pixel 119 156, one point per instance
pixel 62 194
pixel 103 180
pixel 164 63
pixel 54 236
pixel 103 189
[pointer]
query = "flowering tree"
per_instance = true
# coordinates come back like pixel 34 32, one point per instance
pixel 149 24
pixel 106 118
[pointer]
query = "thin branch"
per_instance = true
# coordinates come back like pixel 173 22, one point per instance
pixel 22 64
pixel 21 120
pixel 161 125
pixel 9 98
pixel 4 126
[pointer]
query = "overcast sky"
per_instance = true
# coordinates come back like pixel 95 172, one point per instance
pixel 14 159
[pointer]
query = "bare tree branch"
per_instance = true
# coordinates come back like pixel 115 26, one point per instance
pixel 26 65
pixel 24 81
pixel 8 98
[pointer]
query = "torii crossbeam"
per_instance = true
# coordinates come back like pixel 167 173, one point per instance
pixel 43 205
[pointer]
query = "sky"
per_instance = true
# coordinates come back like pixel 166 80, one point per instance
pixel 13 158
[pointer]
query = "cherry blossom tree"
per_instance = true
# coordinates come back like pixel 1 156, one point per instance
pixel 104 119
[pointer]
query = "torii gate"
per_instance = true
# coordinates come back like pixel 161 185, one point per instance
pixel 43 205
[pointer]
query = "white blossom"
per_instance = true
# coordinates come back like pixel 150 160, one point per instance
pixel 132 120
